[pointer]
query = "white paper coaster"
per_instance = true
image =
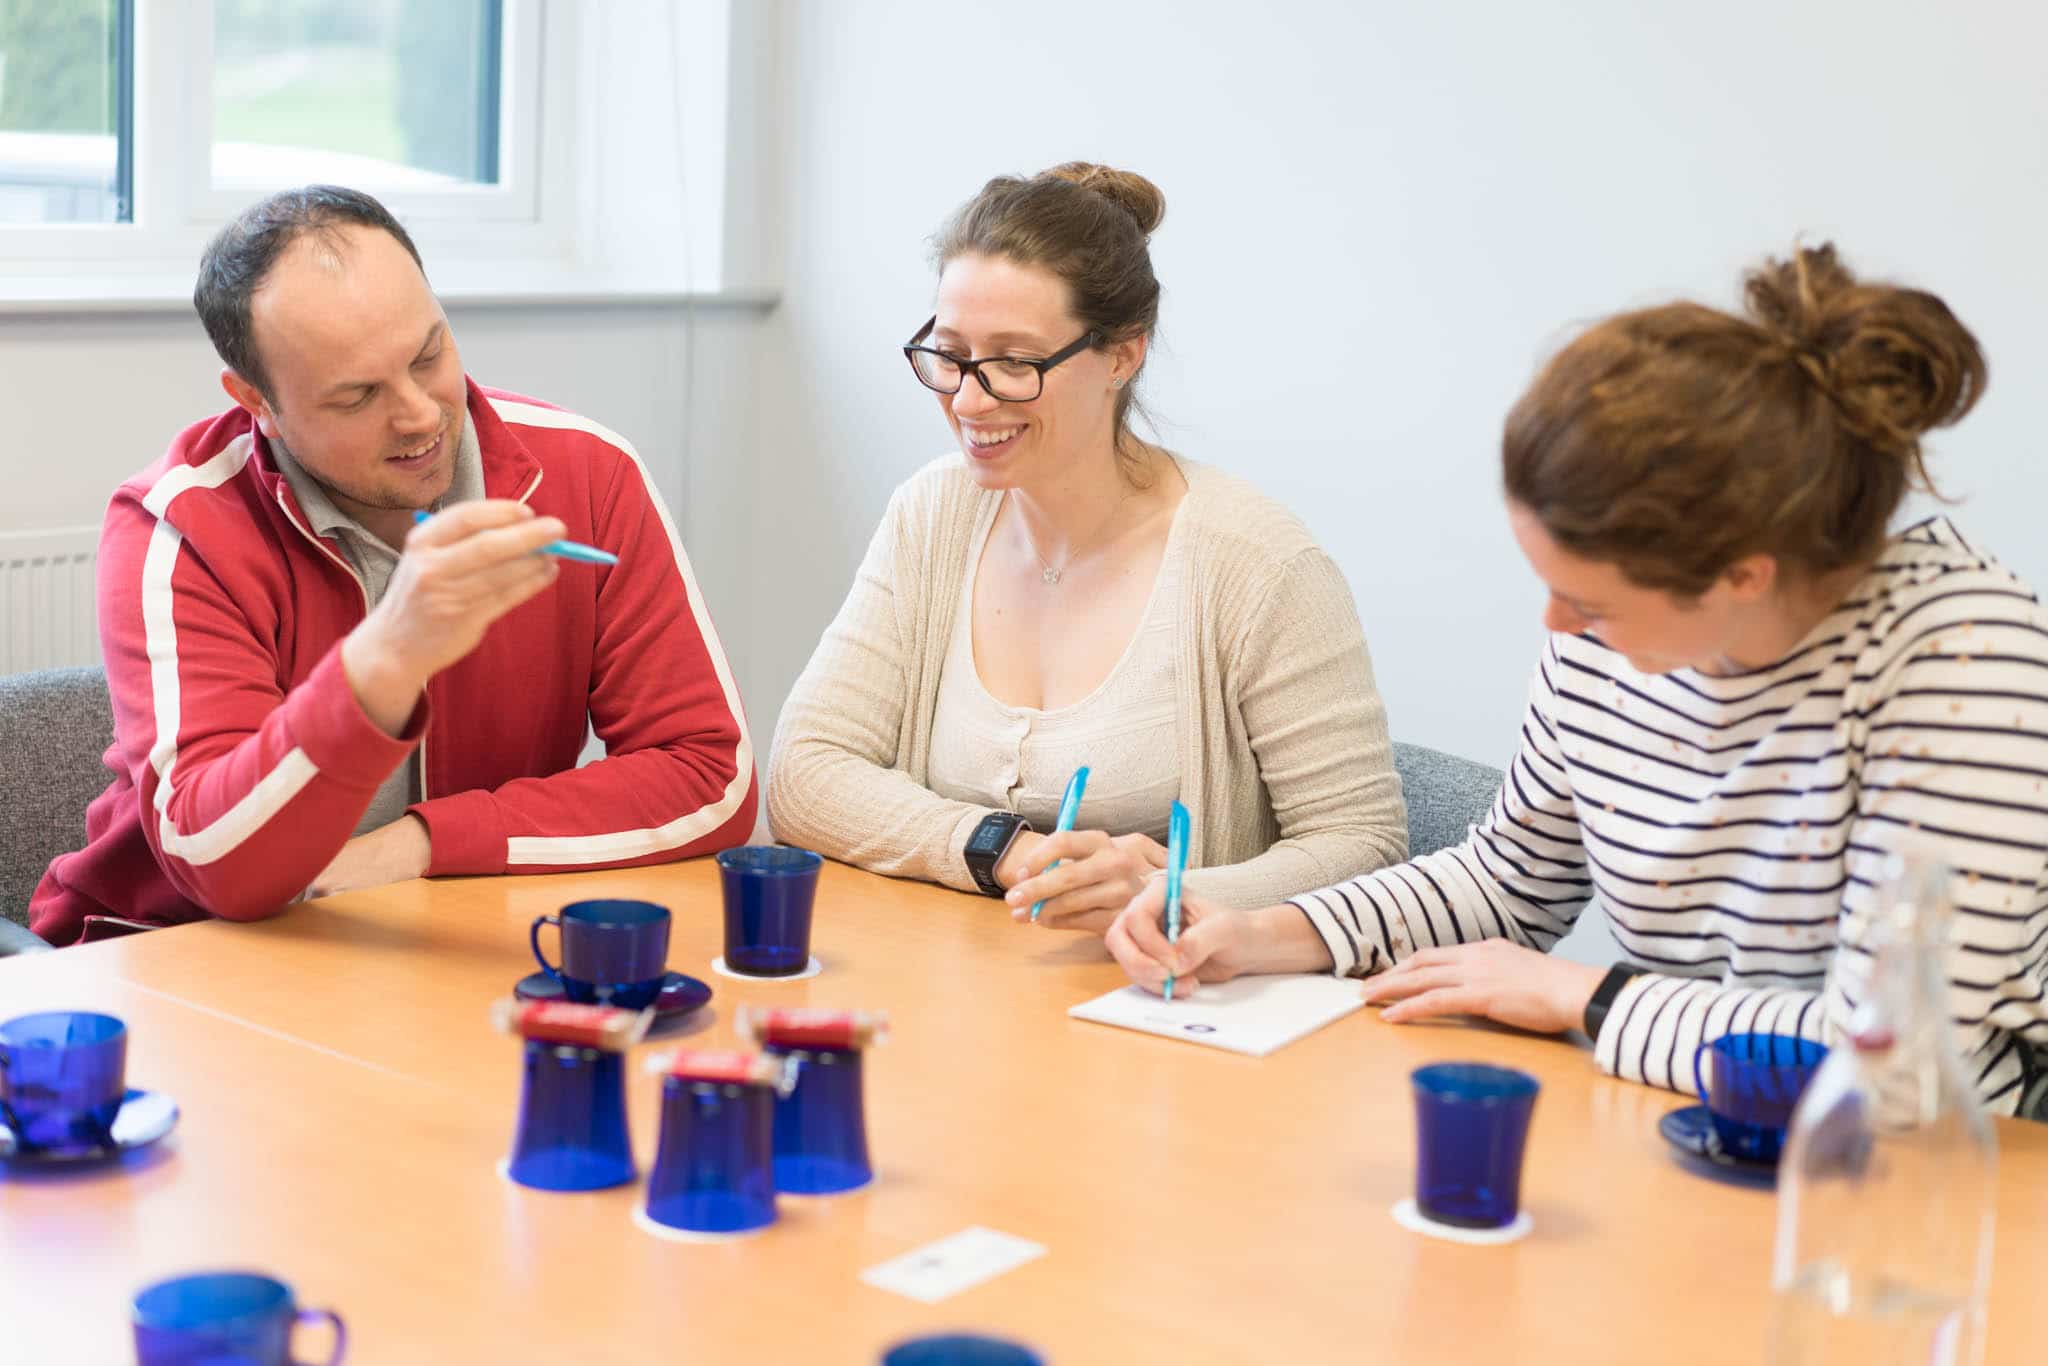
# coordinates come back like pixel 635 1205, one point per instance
pixel 1414 1220
pixel 965 1259
pixel 689 1235
pixel 811 969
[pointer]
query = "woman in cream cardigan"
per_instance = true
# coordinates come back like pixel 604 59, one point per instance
pixel 1058 592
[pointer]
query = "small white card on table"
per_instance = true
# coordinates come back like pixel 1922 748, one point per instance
pixel 1252 1015
pixel 938 1270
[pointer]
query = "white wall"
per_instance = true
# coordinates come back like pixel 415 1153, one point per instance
pixel 1379 218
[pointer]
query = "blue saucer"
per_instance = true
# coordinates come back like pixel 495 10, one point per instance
pixel 1690 1129
pixel 679 994
pixel 145 1117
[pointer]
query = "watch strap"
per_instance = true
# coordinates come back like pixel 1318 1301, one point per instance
pixel 1603 997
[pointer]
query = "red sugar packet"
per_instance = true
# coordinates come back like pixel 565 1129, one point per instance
pixel 801 1028
pixel 569 1023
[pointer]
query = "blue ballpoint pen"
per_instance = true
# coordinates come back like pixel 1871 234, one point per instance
pixel 1176 864
pixel 1070 807
pixel 561 550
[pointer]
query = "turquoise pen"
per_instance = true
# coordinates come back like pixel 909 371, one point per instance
pixel 1070 807
pixel 561 550
pixel 1176 864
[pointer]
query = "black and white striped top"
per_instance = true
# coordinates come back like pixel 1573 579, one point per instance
pixel 1734 827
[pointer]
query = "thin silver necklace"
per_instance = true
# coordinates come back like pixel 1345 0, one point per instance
pixel 1048 573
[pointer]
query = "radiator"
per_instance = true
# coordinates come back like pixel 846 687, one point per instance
pixel 46 599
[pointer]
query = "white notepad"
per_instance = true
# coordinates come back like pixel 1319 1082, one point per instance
pixel 1252 1015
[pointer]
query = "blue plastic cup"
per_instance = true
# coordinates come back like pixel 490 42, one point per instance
pixel 1471 1126
pixel 223 1318
pixel 821 1128
pixel 613 952
pixel 713 1170
pixel 572 1120
pixel 1757 1080
pixel 961 1349
pixel 62 1078
pixel 769 890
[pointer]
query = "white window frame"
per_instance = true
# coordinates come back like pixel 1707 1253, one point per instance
pixel 539 232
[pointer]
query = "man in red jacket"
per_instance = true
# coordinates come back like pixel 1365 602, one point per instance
pixel 312 693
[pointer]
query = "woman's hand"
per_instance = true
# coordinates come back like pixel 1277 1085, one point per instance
pixel 1210 947
pixel 1494 978
pixel 1098 875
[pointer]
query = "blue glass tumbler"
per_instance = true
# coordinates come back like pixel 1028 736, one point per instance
pixel 62 1078
pixel 613 952
pixel 572 1120
pixel 223 1318
pixel 1471 1126
pixel 713 1170
pixel 769 890
pixel 1756 1080
pixel 821 1127
pixel 961 1349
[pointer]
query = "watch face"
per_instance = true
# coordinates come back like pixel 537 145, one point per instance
pixel 986 838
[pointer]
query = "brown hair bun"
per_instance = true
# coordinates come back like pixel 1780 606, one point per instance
pixel 1139 197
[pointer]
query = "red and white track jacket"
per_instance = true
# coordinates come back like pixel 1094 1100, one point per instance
pixel 242 759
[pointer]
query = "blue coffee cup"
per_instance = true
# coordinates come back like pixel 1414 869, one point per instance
pixel 961 1349
pixel 571 1133
pixel 713 1171
pixel 613 952
pixel 1756 1080
pixel 62 1078
pixel 217 1317
pixel 821 1133
pixel 1471 1129
pixel 769 891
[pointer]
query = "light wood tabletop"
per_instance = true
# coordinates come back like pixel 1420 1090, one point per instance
pixel 346 1103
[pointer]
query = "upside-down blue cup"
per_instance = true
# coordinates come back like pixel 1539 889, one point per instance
pixel 713 1170
pixel 961 1349
pixel 62 1078
pixel 223 1318
pixel 769 891
pixel 572 1120
pixel 821 1130
pixel 1471 1127
pixel 614 953
pixel 1757 1079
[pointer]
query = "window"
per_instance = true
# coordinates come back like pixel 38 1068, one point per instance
pixel 131 129
pixel 66 111
pixel 379 94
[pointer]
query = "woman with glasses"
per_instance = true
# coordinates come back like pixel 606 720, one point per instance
pixel 1753 695
pixel 1059 593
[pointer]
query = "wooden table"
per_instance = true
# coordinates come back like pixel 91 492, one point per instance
pixel 346 1103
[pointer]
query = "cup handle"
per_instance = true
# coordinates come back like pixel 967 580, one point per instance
pixel 6 1110
pixel 333 1320
pixel 534 937
pixel 1699 1084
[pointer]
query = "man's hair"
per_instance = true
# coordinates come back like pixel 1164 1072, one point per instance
pixel 240 256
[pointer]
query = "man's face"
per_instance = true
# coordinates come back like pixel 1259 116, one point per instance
pixel 365 384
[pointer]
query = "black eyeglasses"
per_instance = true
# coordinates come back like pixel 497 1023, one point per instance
pixel 1007 380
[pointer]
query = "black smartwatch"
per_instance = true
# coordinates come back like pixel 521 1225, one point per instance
pixel 1603 997
pixel 987 845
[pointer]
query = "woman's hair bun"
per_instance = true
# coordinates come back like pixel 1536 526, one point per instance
pixel 1139 197
pixel 1895 361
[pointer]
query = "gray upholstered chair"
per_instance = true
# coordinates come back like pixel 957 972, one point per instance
pixel 55 726
pixel 1446 795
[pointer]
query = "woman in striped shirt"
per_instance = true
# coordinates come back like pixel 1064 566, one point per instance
pixel 1751 696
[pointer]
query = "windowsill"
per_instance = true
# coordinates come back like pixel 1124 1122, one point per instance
pixel 513 286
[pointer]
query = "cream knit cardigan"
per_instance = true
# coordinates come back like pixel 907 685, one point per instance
pixel 1286 768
